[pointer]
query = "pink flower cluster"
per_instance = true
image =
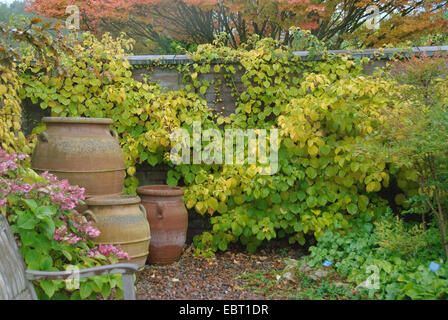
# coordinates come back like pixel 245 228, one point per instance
pixel 58 192
pixel 11 186
pixel 62 193
pixel 107 250
pixel 8 161
pixel 88 229
pixel 61 234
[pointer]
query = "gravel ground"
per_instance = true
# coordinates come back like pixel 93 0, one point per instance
pixel 200 278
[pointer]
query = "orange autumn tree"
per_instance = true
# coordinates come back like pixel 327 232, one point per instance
pixel 200 21
pixel 197 21
pixel 402 20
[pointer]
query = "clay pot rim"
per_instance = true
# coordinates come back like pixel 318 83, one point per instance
pixel 81 120
pixel 160 190
pixel 112 200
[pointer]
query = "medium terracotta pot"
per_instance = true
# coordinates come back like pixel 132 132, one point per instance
pixel 121 220
pixel 84 151
pixel 168 219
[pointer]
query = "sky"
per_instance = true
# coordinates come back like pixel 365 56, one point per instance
pixel 6 1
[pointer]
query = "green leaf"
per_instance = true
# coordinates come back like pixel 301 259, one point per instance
pixel 172 181
pixel 322 200
pixel 352 208
pixel 67 255
pixel 85 289
pixel 239 199
pixel 75 295
pixel 325 150
pixel 222 245
pixel 32 258
pixel 49 287
pixel 311 172
pixel 105 290
pixel 276 198
pixel 152 160
pixel 222 208
pixel 301 195
pixel 363 202
pixel 189 178
pixel 31 204
pixel 48 227
pixel 236 229
pixel 212 203
pixel 45 211
pixel 201 207
pixel 27 221
pixel 200 178
pixel 46 263
pixel 311 201
pixel 295 208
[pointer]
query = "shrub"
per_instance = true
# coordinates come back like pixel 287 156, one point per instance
pixel 51 234
pixel 414 134
pixel 395 237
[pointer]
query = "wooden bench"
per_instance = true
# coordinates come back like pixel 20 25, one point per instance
pixel 15 280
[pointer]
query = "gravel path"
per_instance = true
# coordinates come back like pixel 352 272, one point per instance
pixel 201 278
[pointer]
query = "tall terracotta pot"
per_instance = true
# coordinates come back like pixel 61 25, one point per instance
pixel 84 151
pixel 168 219
pixel 121 221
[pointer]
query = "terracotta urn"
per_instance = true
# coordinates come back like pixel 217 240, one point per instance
pixel 83 150
pixel 121 221
pixel 168 218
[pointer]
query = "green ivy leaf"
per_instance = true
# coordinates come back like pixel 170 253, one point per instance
pixel 352 208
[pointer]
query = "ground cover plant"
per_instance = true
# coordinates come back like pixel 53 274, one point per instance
pixel 400 253
pixel 386 259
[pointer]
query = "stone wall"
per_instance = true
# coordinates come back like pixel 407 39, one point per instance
pixel 171 79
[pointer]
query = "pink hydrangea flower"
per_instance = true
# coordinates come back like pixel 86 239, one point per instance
pixel 107 250
pixel 57 192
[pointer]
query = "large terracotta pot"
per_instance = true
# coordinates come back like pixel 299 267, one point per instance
pixel 121 221
pixel 84 151
pixel 168 219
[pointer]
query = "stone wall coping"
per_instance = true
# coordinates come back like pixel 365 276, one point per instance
pixel 369 53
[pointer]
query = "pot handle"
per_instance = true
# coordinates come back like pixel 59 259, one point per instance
pixel 143 210
pixel 160 207
pixel 43 136
pixel 91 215
pixel 114 134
